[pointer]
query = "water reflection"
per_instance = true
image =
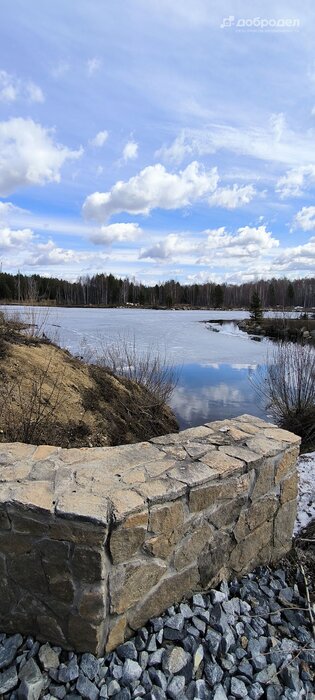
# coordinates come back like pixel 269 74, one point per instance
pixel 215 392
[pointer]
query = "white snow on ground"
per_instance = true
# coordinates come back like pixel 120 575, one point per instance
pixel 306 497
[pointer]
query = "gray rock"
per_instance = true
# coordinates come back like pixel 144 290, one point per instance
pixel 127 651
pixel 156 693
pixel 48 657
pixel 202 691
pixel 157 677
pixel 157 623
pixel 90 666
pixel 220 693
pixel 176 622
pixel 255 691
pixel 86 688
pixel 57 691
pixel 139 692
pixel 199 624
pixel 32 681
pixel 274 691
pixel 174 659
pixel 156 658
pixel 217 596
pixel 186 611
pixel 245 668
pixel 176 687
pixel 227 640
pixel 267 674
pixel 290 678
pixel 116 672
pixel 70 672
pixel 8 680
pixel 131 671
pixel 113 688
pixel 259 662
pixel 213 639
pixel 104 692
pixel 8 649
pixel 198 600
pixel 198 657
pixel 213 673
pixel 238 688
pixel 123 694
pixel 151 644
pixel 144 657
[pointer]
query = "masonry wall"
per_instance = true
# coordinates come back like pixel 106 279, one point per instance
pixel 94 542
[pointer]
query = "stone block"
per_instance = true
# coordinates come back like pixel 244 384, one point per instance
pixel 205 496
pixel 165 519
pixel 284 524
pixel 285 463
pixel 226 515
pixel 246 553
pixel 212 564
pixel 85 636
pixel 222 463
pixel 192 473
pixel 170 589
pixel 129 583
pixel 192 545
pixel 260 511
pixel 88 565
pixel 117 632
pixel 289 488
pixel 92 603
pixel 125 542
pixel 264 479
pixel 161 490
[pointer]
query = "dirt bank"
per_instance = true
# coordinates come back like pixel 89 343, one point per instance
pixel 48 396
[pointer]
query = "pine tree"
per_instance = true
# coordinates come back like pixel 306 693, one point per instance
pixel 256 313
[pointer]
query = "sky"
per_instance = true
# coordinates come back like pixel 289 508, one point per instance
pixel 158 139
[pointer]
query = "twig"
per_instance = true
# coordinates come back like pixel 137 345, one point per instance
pixel 308 600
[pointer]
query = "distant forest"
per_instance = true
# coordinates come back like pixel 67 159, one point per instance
pixel 107 290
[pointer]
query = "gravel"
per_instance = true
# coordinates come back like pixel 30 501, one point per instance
pixel 248 639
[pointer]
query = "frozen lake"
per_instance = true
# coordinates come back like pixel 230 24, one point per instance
pixel 215 361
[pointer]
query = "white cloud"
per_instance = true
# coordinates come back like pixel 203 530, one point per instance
pixel 295 181
pixel 50 254
pixel 177 151
pixel 116 233
pixel 12 89
pixel 100 138
pixel 130 151
pixel 93 65
pixel 218 247
pixel 305 219
pixel 35 93
pixel 299 258
pixel 154 187
pixel 234 197
pixel 29 155
pixel 271 141
pixel 174 245
pixel 18 239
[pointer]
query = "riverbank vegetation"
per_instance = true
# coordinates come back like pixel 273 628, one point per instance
pixel 107 290
pixel 49 397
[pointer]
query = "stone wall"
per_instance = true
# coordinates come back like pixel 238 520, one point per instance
pixel 94 542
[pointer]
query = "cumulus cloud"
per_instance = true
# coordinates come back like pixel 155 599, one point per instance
pixel 232 197
pixel 130 151
pixel 177 151
pixel 298 258
pixel 305 219
pixel 174 245
pixel 93 65
pixel 293 183
pixel 100 138
pixel 12 89
pixel 154 187
pixel 217 246
pixel 19 239
pixel 116 233
pixel 29 155
pixel 50 254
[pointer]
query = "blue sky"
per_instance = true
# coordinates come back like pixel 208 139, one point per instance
pixel 157 139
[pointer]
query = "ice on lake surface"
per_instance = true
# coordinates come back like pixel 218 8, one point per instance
pixel 214 365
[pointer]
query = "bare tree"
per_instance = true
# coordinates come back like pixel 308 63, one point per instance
pixel 288 387
pixel 148 367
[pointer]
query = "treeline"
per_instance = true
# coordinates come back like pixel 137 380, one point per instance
pixel 107 290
